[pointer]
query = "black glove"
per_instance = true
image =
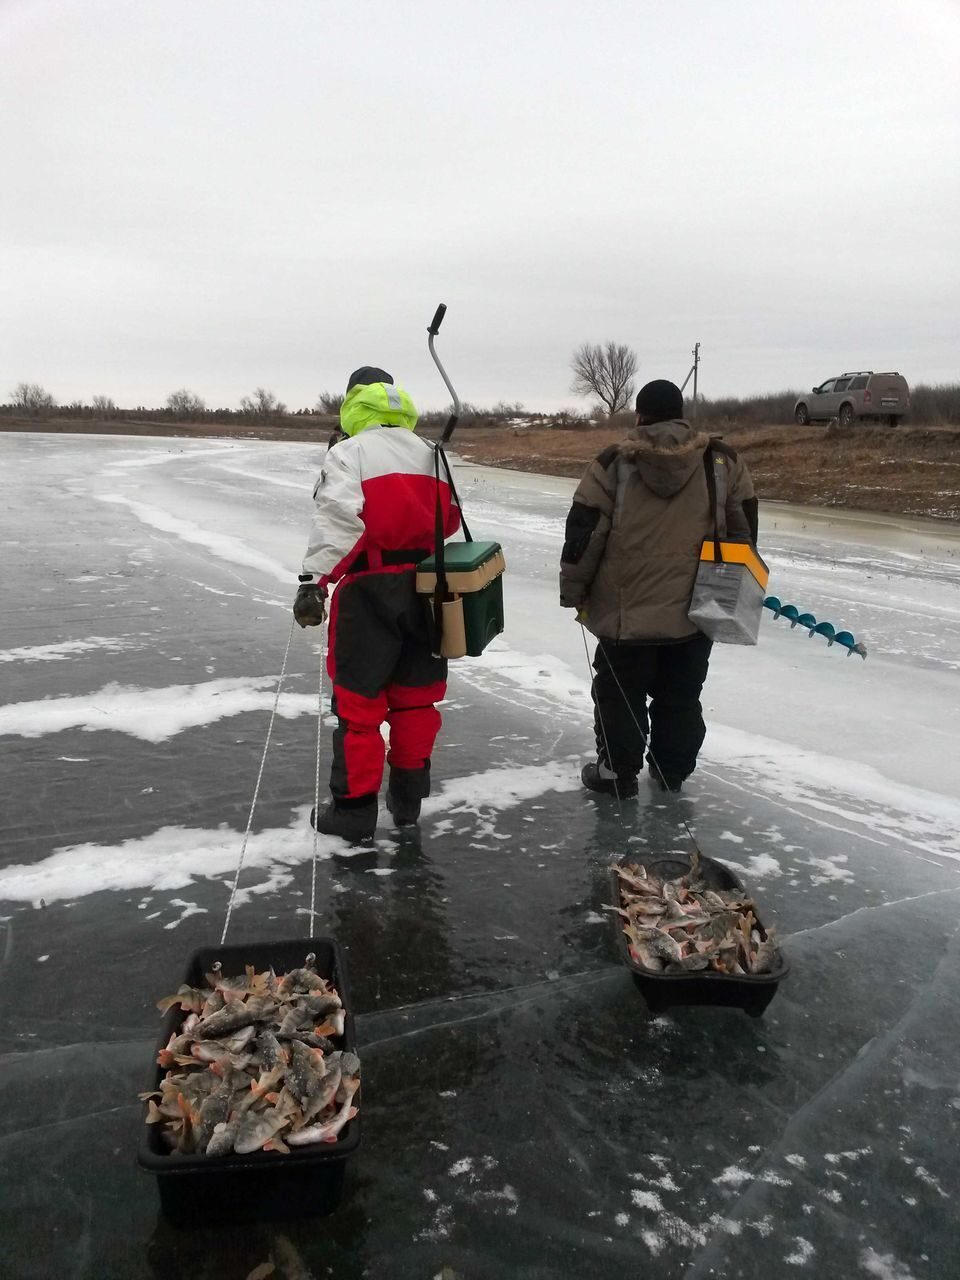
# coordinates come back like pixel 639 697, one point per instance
pixel 310 606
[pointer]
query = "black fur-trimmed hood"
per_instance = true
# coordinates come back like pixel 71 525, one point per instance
pixel 665 453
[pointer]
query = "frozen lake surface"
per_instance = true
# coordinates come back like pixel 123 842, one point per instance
pixel 523 1114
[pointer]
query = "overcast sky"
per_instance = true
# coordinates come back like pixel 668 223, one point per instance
pixel 220 194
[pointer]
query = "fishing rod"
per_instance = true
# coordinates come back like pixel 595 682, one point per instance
pixel 433 329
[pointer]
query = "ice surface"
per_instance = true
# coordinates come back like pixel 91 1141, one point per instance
pixel 523 1113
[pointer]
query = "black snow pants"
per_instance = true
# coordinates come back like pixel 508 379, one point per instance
pixel 671 676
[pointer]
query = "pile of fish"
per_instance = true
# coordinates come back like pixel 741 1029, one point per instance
pixel 254 1065
pixel 682 926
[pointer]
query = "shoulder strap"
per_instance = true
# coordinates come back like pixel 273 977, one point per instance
pixel 712 494
pixel 467 536
pixel 719 445
pixel 440 587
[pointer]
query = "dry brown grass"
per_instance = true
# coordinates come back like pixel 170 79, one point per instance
pixel 906 470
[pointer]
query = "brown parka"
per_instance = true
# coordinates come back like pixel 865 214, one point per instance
pixel 636 526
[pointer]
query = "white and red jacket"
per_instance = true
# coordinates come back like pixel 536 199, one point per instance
pixel 377 493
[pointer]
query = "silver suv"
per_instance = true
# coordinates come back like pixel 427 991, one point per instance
pixel 859 394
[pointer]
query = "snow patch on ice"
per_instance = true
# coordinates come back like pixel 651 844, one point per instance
pixel 826 785
pixel 546 681
pixel 729 1226
pixel 168 859
pixel 507 1196
pixel 733 1176
pixel 68 648
pixel 646 1200
pixel 667 1183
pixel 884 1266
pixel 834 788
pixel 189 909
pixel 801 1254
pixel 503 788
pixel 930 1181
pixel 221 545
pixel 153 715
pixel 757 867
pixel 460 1167
pixel 834 1157
pixel 830 870
pixel 763 1226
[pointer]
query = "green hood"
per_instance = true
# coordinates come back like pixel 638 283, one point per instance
pixel 378 404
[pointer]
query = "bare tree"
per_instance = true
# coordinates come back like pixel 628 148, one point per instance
pixel 262 404
pixel 606 371
pixel 31 397
pixel 329 402
pixel 104 407
pixel 185 404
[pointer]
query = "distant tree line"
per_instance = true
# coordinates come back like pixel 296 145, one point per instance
pixel 607 372
pixel 183 405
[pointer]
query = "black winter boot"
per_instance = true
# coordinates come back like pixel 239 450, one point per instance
pixel 596 776
pixel 664 784
pixel 408 787
pixel 352 822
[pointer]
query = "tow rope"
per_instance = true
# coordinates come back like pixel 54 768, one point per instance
pixel 256 789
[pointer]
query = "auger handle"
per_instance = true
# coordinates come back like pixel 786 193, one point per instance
pixel 432 330
pixel 434 326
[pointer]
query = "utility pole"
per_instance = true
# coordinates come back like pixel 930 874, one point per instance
pixel 694 371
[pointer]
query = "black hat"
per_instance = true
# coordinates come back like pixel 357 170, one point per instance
pixel 366 375
pixel 660 400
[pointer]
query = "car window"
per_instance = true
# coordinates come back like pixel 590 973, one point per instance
pixel 842 384
pixel 857 384
pixel 828 386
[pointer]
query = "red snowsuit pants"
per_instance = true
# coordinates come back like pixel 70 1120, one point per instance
pixel 382 669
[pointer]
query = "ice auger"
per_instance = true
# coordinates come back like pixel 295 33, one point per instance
pixel 814 628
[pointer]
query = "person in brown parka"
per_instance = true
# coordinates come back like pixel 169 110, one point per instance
pixel 630 556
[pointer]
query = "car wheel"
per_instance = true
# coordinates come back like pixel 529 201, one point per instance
pixel 801 415
pixel 845 416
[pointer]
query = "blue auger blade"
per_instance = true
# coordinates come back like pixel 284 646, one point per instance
pixel 773 603
pixel 846 639
pixel 807 620
pixel 792 612
pixel 825 629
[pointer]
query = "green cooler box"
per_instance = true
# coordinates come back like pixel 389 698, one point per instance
pixel 473 604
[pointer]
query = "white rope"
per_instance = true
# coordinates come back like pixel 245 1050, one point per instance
pixel 603 728
pixel 316 792
pixel 256 790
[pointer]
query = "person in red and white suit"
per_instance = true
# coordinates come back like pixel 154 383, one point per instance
pixel 375 520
